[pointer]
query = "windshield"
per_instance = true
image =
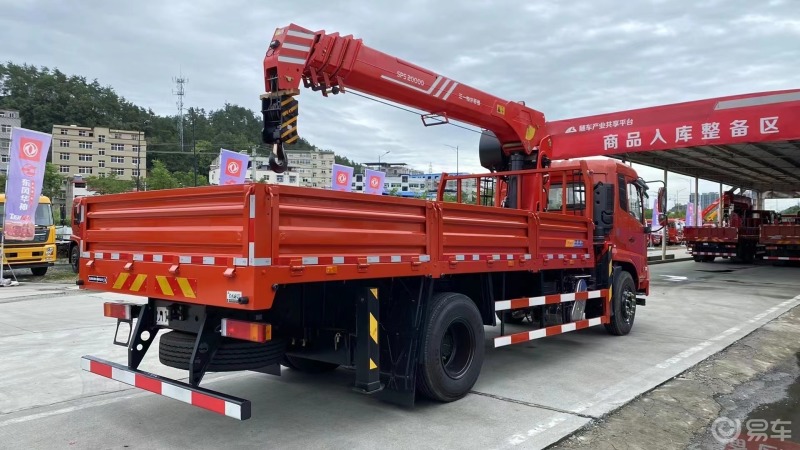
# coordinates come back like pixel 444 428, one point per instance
pixel 43 218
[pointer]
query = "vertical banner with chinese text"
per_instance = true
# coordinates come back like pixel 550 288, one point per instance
pixel 373 181
pixel 232 167
pixel 341 177
pixel 26 167
pixel 690 215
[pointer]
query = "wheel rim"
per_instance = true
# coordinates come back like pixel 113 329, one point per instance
pixel 628 304
pixel 74 259
pixel 456 349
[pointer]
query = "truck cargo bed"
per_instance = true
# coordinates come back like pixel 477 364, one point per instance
pixel 229 245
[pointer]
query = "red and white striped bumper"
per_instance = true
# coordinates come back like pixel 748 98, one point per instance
pixel 552 299
pixel 714 254
pixel 783 258
pixel 234 407
pixel 516 338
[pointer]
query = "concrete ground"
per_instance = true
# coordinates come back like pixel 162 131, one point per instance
pixel 529 395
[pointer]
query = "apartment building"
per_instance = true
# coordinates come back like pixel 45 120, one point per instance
pixel 310 168
pixel 8 119
pixel 314 167
pixel 99 151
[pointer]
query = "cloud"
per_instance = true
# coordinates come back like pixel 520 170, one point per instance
pixel 565 59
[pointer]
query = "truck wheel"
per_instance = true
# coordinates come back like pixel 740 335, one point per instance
pixel 175 350
pixel 623 305
pixel 307 365
pixel 452 348
pixel 39 271
pixel 697 258
pixel 74 257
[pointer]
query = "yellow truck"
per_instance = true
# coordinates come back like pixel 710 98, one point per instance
pixel 38 254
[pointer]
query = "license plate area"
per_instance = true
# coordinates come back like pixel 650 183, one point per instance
pixel 162 315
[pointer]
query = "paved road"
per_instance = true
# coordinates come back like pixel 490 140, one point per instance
pixel 528 396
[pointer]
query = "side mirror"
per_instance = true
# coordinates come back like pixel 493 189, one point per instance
pixel 661 199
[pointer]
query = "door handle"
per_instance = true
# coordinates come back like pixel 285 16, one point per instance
pixel 631 240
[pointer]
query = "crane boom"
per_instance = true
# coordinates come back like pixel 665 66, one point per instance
pixel 330 63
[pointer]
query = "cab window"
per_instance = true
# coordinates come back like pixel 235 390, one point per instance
pixel 635 206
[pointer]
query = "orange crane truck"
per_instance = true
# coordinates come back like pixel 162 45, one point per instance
pixel 781 239
pixel 255 276
pixel 739 235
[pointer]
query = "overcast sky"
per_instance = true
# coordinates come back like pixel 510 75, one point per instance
pixel 564 58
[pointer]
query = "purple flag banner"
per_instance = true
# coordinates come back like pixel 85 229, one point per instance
pixel 341 177
pixel 654 220
pixel 374 181
pixel 26 166
pixel 690 214
pixel 232 167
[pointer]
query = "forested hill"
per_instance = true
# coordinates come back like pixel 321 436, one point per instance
pixel 47 96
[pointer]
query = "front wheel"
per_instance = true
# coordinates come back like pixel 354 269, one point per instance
pixel 623 305
pixel 39 271
pixel 74 257
pixel 452 348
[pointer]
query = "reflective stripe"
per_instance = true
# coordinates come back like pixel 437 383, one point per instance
pixel 299 34
pixel 290 60
pixel 302 48
pixel 450 91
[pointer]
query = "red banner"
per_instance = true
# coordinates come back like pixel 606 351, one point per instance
pixel 773 116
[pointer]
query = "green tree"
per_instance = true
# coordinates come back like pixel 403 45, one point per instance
pixel 109 184
pixel 52 181
pixel 160 178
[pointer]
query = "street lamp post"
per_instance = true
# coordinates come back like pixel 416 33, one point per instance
pixel 139 156
pixel 380 156
pixel 456 149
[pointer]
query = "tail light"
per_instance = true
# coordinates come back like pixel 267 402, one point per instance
pixel 248 331
pixel 118 310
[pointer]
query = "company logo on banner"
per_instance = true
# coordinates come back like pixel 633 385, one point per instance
pixel 341 178
pixel 26 167
pixel 233 167
pixel 373 181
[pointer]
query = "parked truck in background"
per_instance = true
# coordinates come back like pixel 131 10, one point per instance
pixel 738 237
pixel 254 276
pixel 38 254
pixel 781 239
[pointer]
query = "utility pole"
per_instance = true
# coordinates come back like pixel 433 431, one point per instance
pixel 456 148
pixel 194 148
pixel 179 91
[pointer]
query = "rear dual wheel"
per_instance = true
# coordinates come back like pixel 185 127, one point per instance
pixel 452 348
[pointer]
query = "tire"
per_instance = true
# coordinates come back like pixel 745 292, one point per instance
pixel 307 365
pixel 697 258
pixel 175 350
pixel 74 257
pixel 39 271
pixel 623 305
pixel 453 331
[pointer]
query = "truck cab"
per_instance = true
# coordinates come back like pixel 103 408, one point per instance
pixel 630 228
pixel 39 253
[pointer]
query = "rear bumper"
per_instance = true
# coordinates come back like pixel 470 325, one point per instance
pixel 230 406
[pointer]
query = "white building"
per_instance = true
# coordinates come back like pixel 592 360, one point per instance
pixel 262 173
pixel 8 119
pixel 420 185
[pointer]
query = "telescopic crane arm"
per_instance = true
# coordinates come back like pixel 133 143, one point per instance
pixel 330 63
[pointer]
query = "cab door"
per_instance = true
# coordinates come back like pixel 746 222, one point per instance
pixel 629 226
